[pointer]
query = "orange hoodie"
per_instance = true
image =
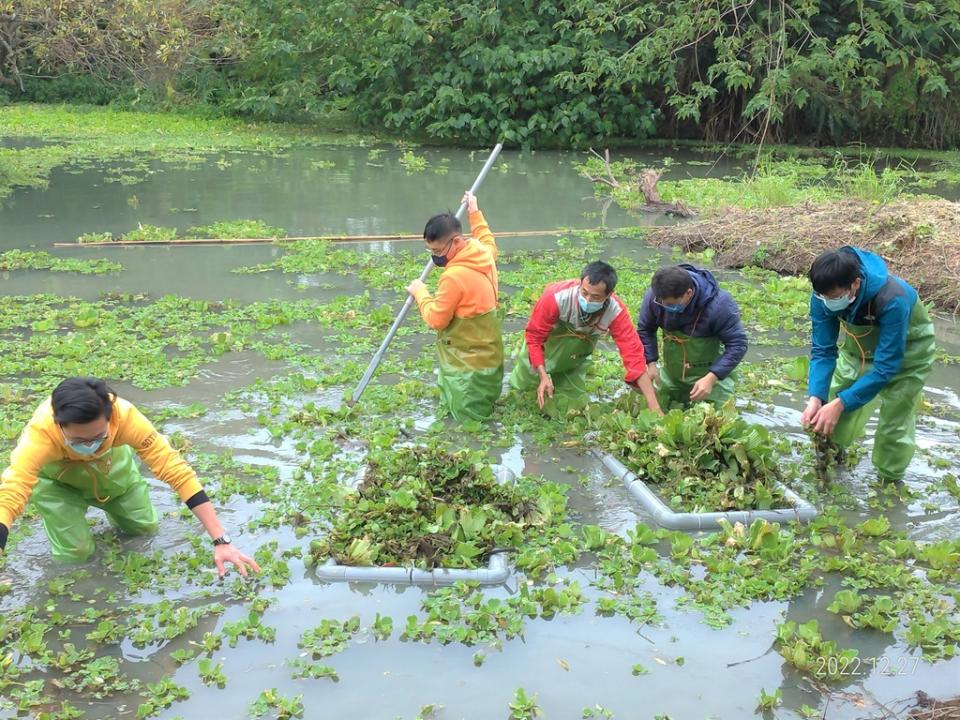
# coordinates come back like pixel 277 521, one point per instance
pixel 468 285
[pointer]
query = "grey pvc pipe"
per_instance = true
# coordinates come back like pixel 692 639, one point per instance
pixel 802 511
pixel 408 303
pixel 496 573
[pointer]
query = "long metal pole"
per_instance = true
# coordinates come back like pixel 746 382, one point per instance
pixel 378 356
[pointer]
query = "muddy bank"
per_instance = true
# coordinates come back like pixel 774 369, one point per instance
pixel 919 239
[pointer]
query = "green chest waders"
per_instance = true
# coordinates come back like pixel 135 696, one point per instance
pixel 567 357
pixel 685 360
pixel 66 488
pixel 470 353
pixel 894 442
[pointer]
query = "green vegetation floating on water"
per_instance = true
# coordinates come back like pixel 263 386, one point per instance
pixel 38 260
pixel 427 507
pixel 83 136
pixel 225 229
pixel 236 229
pixel 698 460
pixel 884 581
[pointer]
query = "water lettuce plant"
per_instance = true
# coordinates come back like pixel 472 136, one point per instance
pixel 698 460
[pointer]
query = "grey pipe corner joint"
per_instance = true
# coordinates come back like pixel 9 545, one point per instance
pixel 802 510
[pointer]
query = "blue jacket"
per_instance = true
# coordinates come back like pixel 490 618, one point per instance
pixel 711 313
pixel 891 316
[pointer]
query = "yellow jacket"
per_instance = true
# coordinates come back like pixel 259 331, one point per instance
pixel 42 442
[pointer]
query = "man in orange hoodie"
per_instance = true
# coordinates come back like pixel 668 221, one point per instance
pixel 464 313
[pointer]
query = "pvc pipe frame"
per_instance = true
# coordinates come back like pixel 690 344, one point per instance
pixel 496 573
pixel 802 511
pixel 378 356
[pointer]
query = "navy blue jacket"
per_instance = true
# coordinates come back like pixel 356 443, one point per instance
pixel 892 320
pixel 711 313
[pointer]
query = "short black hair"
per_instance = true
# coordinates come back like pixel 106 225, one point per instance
pixel 834 269
pixel 81 400
pixel 441 226
pixel 671 282
pixel 599 271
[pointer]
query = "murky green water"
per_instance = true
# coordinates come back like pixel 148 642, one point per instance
pixel 570 662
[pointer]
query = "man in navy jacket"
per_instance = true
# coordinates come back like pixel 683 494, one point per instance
pixel 697 318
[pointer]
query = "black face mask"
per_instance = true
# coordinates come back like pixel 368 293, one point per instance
pixel 442 260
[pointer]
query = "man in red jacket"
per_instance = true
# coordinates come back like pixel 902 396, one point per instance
pixel 567 322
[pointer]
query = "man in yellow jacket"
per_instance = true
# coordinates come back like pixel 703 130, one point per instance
pixel 78 451
pixel 464 312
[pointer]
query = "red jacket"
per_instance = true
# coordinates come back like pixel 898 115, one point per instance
pixel 560 301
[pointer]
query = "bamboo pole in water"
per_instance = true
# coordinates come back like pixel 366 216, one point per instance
pixel 329 238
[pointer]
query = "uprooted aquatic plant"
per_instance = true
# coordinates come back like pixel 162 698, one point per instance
pixel 699 460
pixel 426 506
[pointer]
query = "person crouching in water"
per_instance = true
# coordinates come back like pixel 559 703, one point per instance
pixel 696 317
pixel 563 331
pixel 78 452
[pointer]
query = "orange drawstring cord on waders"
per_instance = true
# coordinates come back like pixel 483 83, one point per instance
pixel 856 338
pixel 682 342
pixel 93 476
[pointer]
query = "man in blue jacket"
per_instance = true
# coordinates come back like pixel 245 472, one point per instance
pixel 885 353
pixel 696 317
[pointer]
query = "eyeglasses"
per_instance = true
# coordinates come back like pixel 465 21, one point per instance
pixel 820 296
pixel 668 306
pixel 85 441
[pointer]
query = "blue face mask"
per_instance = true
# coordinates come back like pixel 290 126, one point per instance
pixel 86 448
pixel 674 308
pixel 590 307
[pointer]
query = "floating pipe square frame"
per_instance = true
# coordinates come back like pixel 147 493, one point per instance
pixel 496 572
pixel 802 511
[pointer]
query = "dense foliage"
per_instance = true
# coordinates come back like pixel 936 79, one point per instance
pixel 426 506
pixel 698 460
pixel 533 73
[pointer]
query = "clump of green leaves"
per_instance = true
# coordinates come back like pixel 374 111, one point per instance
pixel 145 233
pixel 768 701
pixel 160 695
pixel 236 229
pixel 426 506
pixel 274 705
pixel 30 260
pixel 524 707
pixel 699 460
pixel 462 613
pixel 92 237
pixel 412 162
pixel 804 647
